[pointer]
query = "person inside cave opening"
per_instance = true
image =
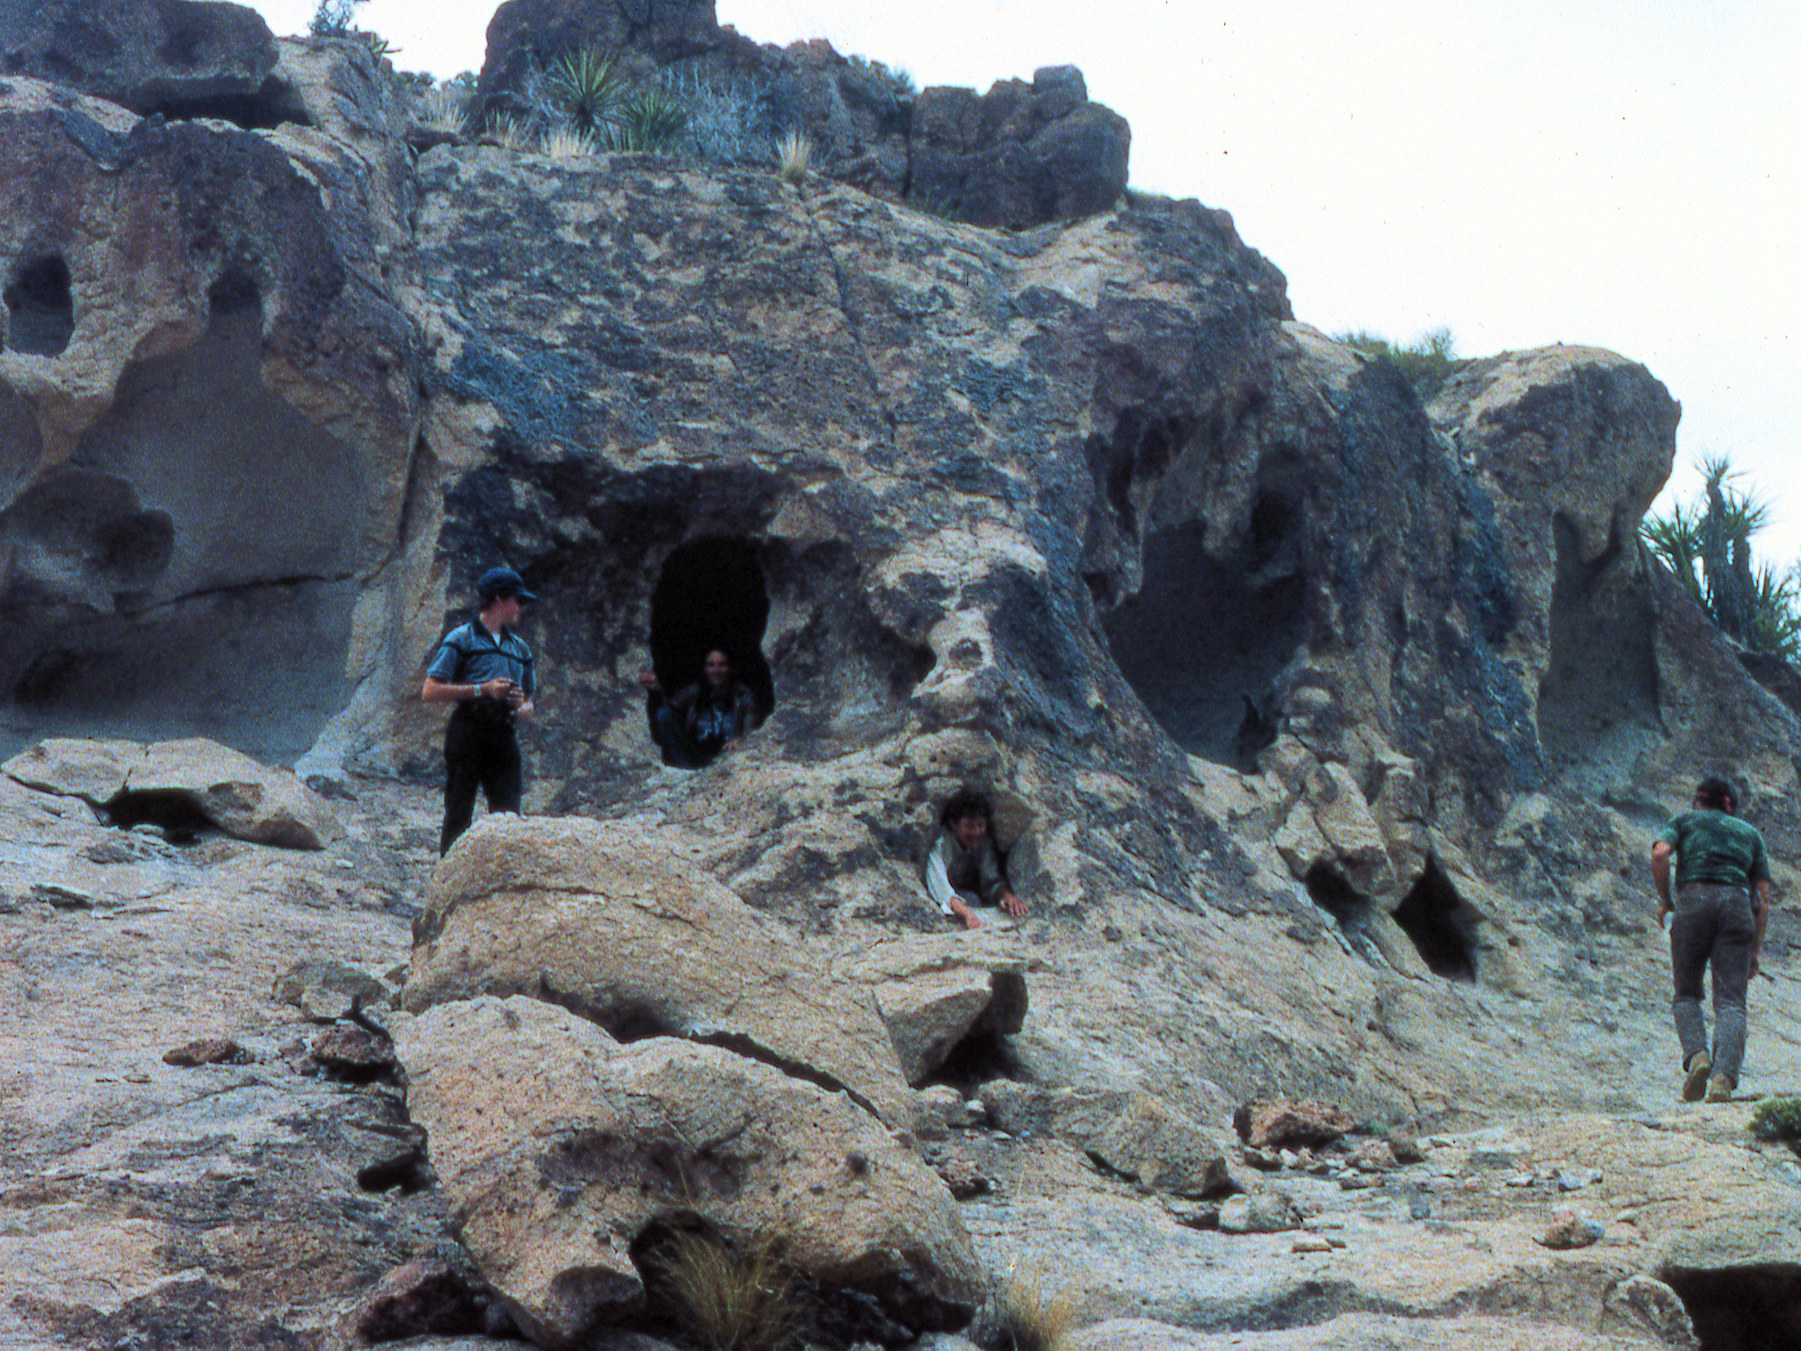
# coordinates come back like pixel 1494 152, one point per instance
pixel 699 721
pixel 963 869
pixel 486 670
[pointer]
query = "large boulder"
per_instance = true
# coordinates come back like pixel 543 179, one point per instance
pixel 936 993
pixel 180 58
pixel 616 924
pixel 1019 155
pixel 561 1149
pixel 181 782
pixel 530 36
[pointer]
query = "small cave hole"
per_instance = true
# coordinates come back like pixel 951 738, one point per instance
pixel 711 594
pixel 1441 925
pixel 234 291
pixel 1748 1308
pixel 1204 643
pixel 984 1055
pixel 40 306
pixel 1332 892
pixel 172 811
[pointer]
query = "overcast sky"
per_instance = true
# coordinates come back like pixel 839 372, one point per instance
pixel 1626 175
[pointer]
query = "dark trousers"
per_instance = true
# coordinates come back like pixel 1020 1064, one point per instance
pixel 480 751
pixel 1713 927
pixel 679 747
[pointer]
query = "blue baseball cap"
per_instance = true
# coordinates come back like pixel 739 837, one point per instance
pixel 498 582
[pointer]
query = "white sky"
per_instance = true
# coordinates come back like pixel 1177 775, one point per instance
pixel 1621 173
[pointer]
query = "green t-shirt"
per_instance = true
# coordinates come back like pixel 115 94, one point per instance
pixel 1714 847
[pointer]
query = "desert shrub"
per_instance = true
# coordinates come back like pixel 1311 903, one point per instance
pixel 1708 549
pixel 1029 1312
pixel 730 119
pixel 899 81
pixel 729 1298
pixel 794 156
pixel 1426 362
pixel 444 106
pixel 1778 1119
pixel 333 18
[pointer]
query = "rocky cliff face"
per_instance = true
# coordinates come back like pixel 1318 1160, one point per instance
pixel 1328 733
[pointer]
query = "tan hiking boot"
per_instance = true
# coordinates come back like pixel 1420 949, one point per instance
pixel 1694 1086
pixel 1719 1089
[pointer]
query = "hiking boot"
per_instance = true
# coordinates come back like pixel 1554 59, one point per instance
pixel 1719 1089
pixel 1695 1085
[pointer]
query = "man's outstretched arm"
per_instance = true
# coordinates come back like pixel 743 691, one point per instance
pixel 1661 854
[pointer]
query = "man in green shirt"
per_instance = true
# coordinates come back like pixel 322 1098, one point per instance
pixel 1722 904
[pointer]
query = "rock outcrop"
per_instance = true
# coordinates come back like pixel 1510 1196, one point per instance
pixel 1326 733
pixel 1023 154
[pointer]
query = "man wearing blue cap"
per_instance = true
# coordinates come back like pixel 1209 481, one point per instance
pixel 485 669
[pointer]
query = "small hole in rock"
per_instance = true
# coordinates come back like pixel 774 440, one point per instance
pixel 41 307
pixel 174 812
pixel 1441 925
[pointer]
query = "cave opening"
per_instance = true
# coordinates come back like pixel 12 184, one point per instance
pixel 40 306
pixel 1440 924
pixel 1748 1308
pixel 1203 642
pixel 170 810
pixel 711 594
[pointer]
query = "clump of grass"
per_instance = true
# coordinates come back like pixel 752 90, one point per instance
pixel 567 143
pixel 1029 1313
pixel 794 156
pixel 1426 363
pixel 1778 1119
pixel 443 107
pixel 730 1299
pixel 509 133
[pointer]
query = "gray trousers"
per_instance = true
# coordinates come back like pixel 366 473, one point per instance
pixel 1713 925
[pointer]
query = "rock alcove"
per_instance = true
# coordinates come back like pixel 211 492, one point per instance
pixel 711 594
pixel 1741 1308
pixel 40 306
pixel 1441 925
pixel 1203 641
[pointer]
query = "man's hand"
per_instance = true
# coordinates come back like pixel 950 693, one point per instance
pixel 498 689
pixel 652 685
pixel 524 708
pixel 1011 903
pixel 960 908
pixel 1754 967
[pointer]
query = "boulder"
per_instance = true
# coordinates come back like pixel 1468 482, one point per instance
pixel 180 58
pixel 1283 1123
pixel 937 992
pixel 242 798
pixel 559 1148
pixel 1134 1134
pixel 177 782
pixel 618 925
pixel 1258 1213
pixel 326 990
pixel 1019 155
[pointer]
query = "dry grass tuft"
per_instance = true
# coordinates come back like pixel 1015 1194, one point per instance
pixel 509 133
pixel 794 156
pixel 443 108
pixel 567 143
pixel 731 1299
pixel 1030 1314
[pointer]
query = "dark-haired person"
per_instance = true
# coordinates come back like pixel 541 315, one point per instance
pixel 485 669
pixel 1722 904
pixel 963 868
pixel 712 715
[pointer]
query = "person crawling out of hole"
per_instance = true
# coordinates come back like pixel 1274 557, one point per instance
pixel 962 869
pixel 700 720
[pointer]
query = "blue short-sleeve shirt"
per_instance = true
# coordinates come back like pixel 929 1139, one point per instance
pixel 470 655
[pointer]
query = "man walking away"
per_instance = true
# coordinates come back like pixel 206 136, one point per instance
pixel 1722 904
pixel 485 669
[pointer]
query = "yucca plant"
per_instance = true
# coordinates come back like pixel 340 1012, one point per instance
pixel 589 90
pixel 652 120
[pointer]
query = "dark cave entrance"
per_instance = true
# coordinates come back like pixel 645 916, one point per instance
pixel 712 594
pixel 1441 925
pixel 1749 1308
pixel 1331 892
pixel 40 307
pixel 1202 642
